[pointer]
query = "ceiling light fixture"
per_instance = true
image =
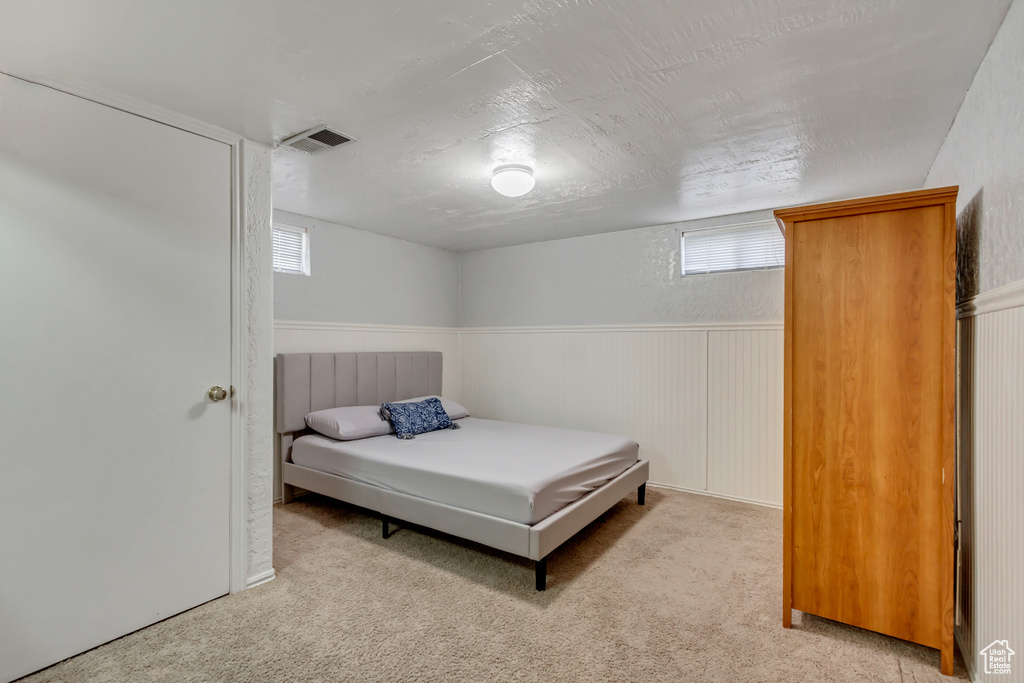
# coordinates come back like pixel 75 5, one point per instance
pixel 513 180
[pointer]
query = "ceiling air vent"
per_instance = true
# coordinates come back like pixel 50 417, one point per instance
pixel 316 140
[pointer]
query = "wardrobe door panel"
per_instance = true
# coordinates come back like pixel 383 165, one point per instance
pixel 867 371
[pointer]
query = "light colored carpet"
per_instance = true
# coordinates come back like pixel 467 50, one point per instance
pixel 686 588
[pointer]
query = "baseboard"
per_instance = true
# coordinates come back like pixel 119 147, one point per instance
pixel 713 494
pixel 968 662
pixel 260 579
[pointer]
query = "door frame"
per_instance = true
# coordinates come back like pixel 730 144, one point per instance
pixel 251 327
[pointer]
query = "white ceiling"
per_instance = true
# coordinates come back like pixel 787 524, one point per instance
pixel 632 112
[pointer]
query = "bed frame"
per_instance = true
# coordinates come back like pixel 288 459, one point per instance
pixel 306 382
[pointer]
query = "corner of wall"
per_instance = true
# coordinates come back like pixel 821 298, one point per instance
pixel 258 321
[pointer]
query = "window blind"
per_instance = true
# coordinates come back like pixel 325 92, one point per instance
pixel 752 246
pixel 291 250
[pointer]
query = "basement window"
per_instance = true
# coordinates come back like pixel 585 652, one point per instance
pixel 748 246
pixel 291 249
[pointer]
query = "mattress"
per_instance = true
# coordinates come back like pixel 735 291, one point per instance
pixel 522 473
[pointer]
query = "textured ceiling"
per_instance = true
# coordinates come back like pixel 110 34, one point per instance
pixel 631 112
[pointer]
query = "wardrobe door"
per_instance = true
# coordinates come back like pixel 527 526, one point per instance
pixel 867 420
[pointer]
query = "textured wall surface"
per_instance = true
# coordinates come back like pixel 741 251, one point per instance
pixel 984 155
pixel 990 599
pixel 258 319
pixel 745 392
pixel 627 277
pixel 361 277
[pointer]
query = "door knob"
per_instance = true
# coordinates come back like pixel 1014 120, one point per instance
pixel 218 393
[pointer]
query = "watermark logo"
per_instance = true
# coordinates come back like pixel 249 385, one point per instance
pixel 997 657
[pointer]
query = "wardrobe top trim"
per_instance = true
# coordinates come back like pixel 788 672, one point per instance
pixel 890 202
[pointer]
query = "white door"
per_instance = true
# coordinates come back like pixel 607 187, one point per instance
pixel 114 324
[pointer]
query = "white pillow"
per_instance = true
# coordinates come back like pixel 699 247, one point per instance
pixel 349 423
pixel 454 410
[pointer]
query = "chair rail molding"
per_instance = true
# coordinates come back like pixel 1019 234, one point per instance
pixel 999 299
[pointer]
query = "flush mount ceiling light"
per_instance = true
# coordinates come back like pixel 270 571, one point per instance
pixel 513 180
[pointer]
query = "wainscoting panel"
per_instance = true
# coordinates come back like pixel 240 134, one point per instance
pixel 745 387
pixel 990 603
pixel 666 387
pixel 648 385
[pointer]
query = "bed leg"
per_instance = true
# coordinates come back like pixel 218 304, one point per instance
pixel 541 572
pixel 641 494
pixel 384 530
pixel 287 493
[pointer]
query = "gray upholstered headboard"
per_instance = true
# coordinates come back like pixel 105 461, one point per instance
pixel 316 381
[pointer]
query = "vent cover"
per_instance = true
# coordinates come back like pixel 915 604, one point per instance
pixel 316 140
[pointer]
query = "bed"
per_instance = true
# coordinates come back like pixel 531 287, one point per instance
pixel 537 488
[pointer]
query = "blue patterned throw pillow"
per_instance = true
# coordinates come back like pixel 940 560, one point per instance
pixel 410 419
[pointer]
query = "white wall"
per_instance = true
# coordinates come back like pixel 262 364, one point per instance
pixel 362 277
pixel 626 277
pixel 983 154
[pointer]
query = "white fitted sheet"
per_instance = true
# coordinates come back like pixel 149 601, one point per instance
pixel 522 473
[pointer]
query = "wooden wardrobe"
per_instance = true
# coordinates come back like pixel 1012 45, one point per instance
pixel 869 414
